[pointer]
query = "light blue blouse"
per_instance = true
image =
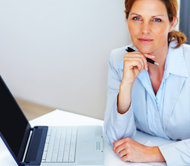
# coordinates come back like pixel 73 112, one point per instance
pixel 166 114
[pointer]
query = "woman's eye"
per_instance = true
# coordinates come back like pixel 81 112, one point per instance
pixel 136 18
pixel 157 20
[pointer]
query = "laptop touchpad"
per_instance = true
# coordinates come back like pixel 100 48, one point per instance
pixel 87 146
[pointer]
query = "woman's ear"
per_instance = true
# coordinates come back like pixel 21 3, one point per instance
pixel 172 24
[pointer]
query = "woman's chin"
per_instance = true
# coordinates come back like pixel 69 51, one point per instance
pixel 145 50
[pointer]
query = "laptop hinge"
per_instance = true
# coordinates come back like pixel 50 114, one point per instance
pixel 22 163
pixel 27 145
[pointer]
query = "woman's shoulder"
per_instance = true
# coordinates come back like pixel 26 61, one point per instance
pixel 186 51
pixel 120 51
pixel 186 55
pixel 186 47
pixel 117 55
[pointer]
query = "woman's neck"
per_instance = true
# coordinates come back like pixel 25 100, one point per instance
pixel 156 72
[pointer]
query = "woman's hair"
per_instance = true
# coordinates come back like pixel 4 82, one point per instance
pixel 172 7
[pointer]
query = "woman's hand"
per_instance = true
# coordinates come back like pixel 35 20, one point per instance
pixel 134 63
pixel 130 150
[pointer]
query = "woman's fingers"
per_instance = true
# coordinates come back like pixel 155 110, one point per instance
pixel 117 144
pixel 130 150
pixel 122 153
pixel 120 144
pixel 137 56
pixel 133 65
pixel 131 62
pixel 149 56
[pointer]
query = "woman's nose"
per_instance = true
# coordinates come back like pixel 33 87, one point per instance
pixel 145 29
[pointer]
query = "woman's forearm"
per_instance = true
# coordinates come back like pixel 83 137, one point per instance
pixel 124 98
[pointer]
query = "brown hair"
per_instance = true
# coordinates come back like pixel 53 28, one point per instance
pixel 172 7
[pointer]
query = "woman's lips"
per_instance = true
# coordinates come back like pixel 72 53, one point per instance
pixel 145 40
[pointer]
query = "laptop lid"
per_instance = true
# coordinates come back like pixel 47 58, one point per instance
pixel 14 127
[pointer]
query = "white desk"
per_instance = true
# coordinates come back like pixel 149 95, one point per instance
pixel 60 118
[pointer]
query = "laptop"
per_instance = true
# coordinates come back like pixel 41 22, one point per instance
pixel 47 145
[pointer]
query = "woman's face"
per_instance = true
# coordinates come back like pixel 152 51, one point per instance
pixel 149 25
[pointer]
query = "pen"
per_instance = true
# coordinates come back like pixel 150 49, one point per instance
pixel 129 49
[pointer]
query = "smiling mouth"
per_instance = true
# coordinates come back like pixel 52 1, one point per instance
pixel 145 40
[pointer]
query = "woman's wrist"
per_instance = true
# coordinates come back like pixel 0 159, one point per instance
pixel 154 154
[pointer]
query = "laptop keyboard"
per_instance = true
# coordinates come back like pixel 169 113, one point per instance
pixel 60 146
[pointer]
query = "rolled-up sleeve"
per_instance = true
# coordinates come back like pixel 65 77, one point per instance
pixel 177 153
pixel 116 125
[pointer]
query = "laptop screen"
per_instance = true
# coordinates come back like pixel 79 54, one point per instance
pixel 13 123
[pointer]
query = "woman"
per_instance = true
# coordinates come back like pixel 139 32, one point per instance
pixel 153 99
